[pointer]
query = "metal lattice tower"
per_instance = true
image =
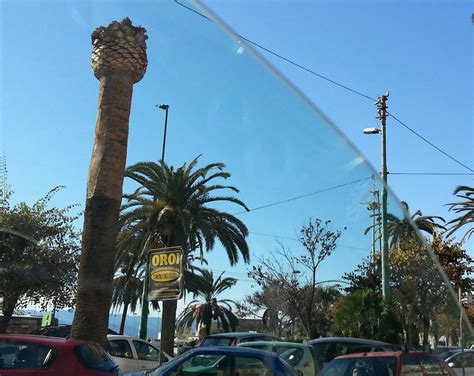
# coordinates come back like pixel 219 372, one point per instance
pixel 3 181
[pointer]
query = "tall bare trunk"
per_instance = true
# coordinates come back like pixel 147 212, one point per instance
pixel 9 303
pixel 124 317
pixel 118 61
pixel 168 325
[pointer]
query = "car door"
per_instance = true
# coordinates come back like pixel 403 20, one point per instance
pixel 25 358
pixel 121 352
pixel 148 356
pixel 461 359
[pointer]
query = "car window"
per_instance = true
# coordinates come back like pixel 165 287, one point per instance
pixel 411 366
pixel 93 356
pixel 146 351
pixel 462 359
pixel 292 356
pixel 432 366
pixel 23 355
pixel 245 365
pixel 380 366
pixel 217 341
pixel 120 348
pixel 202 364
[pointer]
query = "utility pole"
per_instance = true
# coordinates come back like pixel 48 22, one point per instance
pixel 382 116
pixel 374 207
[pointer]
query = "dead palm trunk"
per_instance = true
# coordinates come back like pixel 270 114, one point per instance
pixel 118 61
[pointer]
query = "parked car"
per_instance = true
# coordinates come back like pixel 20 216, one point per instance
pixel 462 359
pixel 326 349
pixel 234 338
pixel 446 351
pixel 387 364
pixel 62 330
pixel 223 360
pixel 134 354
pixel 300 356
pixel 53 356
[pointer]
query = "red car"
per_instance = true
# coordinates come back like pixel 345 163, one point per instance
pixel 39 355
pixel 387 364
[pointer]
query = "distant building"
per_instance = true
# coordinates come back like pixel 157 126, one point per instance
pixel 251 325
pixel 468 300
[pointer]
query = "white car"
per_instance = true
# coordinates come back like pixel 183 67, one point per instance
pixel 134 354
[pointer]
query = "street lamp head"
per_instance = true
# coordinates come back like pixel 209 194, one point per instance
pixel 371 130
pixel 163 106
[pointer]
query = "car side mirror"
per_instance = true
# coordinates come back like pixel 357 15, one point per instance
pixel 451 364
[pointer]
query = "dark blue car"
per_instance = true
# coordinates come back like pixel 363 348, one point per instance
pixel 223 361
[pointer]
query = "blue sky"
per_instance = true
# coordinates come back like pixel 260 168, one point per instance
pixel 227 106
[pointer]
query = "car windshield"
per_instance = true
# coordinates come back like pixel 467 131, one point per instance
pixel 287 169
pixel 380 366
pixel 217 341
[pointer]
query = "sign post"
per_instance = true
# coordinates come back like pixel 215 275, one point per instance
pixel 165 272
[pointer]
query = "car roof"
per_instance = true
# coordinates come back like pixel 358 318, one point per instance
pixel 43 340
pixel 239 335
pixel 382 354
pixel 229 350
pixel 121 336
pixel 273 343
pixel 361 341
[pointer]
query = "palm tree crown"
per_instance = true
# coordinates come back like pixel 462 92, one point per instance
pixel 173 206
pixel 464 207
pixel 406 228
pixel 209 308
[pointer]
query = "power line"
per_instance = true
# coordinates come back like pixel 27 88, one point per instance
pixel 302 196
pixel 297 240
pixel 434 173
pixel 290 61
pixel 429 142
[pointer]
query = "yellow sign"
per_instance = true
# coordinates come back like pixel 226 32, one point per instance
pixel 165 271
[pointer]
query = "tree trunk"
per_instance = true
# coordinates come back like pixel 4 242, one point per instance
pixel 104 194
pixel 168 325
pixel 124 317
pixel 9 303
pixel 118 61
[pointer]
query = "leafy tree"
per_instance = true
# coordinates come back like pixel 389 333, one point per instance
pixel 209 308
pixel 271 305
pixel 295 277
pixel 455 261
pixel 418 287
pixel 358 314
pixel 406 228
pixel 465 208
pixel 39 253
pixel 173 207
pixel 365 276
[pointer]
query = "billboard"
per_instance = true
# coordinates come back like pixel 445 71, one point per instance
pixel 165 271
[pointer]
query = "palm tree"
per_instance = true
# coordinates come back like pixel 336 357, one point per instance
pixel 209 308
pixel 127 291
pixel 406 228
pixel 172 206
pixel 464 207
pixel 119 60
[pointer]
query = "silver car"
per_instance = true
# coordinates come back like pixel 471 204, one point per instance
pixel 462 359
pixel 134 354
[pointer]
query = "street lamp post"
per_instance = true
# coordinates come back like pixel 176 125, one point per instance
pixel 145 311
pixel 382 116
pixel 164 107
